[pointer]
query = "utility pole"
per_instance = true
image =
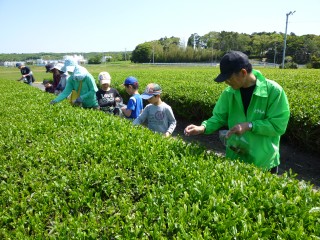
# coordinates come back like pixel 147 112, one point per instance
pixel 285 38
pixel 212 55
pixel 275 54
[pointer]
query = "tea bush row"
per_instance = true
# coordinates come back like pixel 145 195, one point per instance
pixel 192 93
pixel 70 173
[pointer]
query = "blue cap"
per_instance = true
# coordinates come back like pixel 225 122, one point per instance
pixel 130 81
pixel 18 65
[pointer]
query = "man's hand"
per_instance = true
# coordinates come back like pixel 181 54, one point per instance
pixel 239 129
pixel 194 130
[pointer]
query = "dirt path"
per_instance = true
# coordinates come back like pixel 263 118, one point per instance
pixel 305 165
pixel 38 85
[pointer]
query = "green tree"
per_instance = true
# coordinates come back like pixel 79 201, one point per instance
pixel 261 42
pixel 315 61
pixel 194 40
pixel 167 42
pixel 95 59
pixel 227 41
pixel 142 53
pixel 210 40
pixel 244 43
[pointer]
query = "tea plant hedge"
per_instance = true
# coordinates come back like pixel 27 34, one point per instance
pixel 192 93
pixel 70 173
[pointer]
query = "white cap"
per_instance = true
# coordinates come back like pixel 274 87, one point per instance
pixel 58 66
pixel 104 77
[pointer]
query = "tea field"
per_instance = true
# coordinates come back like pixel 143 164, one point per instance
pixel 192 93
pixel 70 173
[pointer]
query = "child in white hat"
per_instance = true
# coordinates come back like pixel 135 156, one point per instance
pixel 108 97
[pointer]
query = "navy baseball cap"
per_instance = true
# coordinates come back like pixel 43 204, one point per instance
pixel 49 67
pixel 232 62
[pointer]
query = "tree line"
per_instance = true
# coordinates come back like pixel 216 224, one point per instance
pixel 212 46
pixel 93 57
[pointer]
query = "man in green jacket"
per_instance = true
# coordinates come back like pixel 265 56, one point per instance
pixel 255 109
pixel 81 81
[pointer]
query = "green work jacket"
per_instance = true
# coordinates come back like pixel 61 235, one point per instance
pixel 269 113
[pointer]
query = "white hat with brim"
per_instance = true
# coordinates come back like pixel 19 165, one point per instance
pixel 104 81
pixel 58 66
pixel 104 77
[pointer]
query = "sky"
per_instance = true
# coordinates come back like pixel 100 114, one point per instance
pixel 62 26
